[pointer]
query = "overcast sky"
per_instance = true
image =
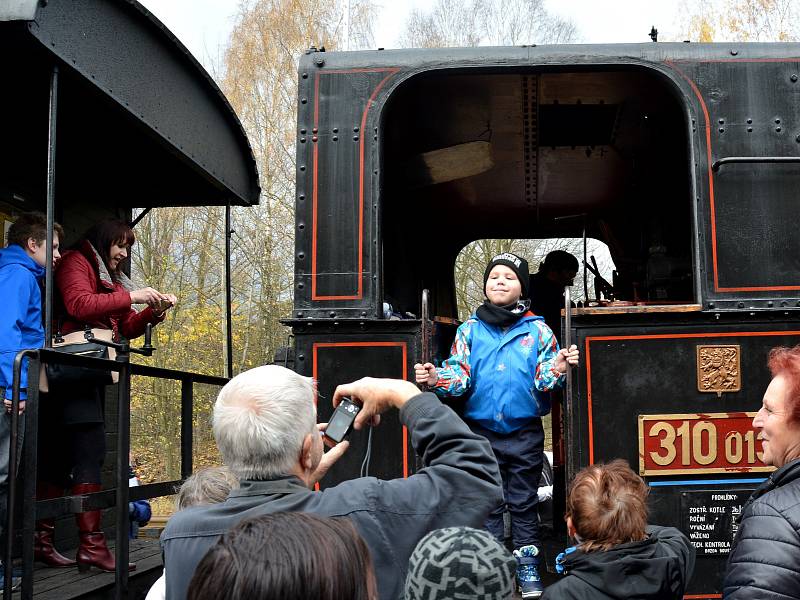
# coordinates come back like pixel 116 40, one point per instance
pixel 204 25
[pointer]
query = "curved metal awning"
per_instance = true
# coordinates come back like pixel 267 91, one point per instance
pixel 140 122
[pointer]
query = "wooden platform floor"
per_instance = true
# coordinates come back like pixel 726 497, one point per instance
pixel 68 583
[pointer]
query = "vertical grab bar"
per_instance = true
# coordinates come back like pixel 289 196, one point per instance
pixel 425 330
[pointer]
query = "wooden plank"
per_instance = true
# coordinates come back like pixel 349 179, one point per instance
pixel 632 310
pixel 50 583
pixel 449 164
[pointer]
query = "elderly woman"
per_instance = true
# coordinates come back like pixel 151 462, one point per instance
pixel 94 291
pixel 765 558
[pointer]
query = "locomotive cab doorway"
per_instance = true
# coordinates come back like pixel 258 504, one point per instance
pixel 548 154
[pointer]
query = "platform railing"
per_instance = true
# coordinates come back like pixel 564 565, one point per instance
pixel 122 494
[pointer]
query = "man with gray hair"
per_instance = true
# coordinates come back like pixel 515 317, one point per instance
pixel 265 426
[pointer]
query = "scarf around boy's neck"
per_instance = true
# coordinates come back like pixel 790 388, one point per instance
pixel 502 316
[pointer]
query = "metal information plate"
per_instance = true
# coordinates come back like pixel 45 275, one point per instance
pixel 699 443
pixel 709 518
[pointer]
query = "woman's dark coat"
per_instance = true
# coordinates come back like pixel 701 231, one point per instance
pixel 765 558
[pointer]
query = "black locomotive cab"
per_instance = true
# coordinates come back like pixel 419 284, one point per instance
pixel 549 154
pixel 680 158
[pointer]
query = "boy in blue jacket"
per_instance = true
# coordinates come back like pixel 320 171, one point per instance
pixel 22 266
pixel 508 358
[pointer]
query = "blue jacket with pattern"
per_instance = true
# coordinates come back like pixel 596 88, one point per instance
pixel 506 372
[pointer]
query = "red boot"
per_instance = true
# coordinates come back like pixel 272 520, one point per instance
pixel 43 549
pixel 93 551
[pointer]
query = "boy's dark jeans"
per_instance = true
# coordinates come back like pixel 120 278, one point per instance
pixel 519 455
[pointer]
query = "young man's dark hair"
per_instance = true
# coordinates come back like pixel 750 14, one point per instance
pixel 291 556
pixel 31 226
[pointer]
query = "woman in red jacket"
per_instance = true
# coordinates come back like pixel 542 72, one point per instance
pixel 95 291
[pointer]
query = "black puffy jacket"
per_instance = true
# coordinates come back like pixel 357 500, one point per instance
pixel 657 568
pixel 765 558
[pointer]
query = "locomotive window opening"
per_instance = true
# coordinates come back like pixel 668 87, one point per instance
pixel 472 259
pixel 536 155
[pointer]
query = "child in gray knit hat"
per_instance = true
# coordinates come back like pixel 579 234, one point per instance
pixel 460 563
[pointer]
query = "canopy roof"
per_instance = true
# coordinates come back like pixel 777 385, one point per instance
pixel 140 122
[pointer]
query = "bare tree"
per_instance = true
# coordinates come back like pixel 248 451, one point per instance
pixel 452 23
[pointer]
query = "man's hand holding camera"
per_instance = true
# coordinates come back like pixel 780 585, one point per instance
pixel 375 396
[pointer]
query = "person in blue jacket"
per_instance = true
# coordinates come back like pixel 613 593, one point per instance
pixel 508 359
pixel 22 267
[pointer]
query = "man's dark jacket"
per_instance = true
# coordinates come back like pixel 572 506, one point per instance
pixel 547 300
pixel 657 568
pixel 765 558
pixel 459 485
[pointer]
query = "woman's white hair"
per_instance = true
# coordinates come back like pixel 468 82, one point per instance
pixel 260 420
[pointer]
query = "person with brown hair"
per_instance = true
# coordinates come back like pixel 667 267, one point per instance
pixel 765 557
pixel 617 554
pixel 288 555
pixel 95 291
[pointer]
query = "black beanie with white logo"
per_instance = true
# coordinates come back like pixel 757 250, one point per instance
pixel 516 263
pixel 460 563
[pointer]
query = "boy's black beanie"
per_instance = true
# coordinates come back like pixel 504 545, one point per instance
pixel 516 263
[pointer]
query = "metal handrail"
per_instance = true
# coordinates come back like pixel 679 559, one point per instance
pixel 122 494
pixel 753 159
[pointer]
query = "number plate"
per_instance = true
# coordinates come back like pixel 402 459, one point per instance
pixel 699 443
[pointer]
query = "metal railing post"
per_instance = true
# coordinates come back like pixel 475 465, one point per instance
pixel 123 454
pixel 228 317
pixel 187 428
pixel 566 405
pixel 30 468
pixel 11 484
pixel 51 190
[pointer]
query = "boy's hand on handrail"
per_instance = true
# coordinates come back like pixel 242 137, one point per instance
pixel 426 373
pixel 567 357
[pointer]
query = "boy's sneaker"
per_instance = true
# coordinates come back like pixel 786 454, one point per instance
pixel 530 584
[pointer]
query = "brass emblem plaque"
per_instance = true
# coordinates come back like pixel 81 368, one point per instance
pixel 719 369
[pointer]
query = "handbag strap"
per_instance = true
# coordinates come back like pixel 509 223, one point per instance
pixel 58 338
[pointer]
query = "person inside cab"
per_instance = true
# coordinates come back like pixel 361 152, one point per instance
pixel 547 287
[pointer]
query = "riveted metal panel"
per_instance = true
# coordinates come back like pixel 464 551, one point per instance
pixel 635 367
pixel 747 108
pixel 337 250
pixel 339 355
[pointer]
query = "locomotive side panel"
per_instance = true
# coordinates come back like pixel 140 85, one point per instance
pixel 677 401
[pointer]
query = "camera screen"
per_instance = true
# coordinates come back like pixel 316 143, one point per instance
pixel 341 420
